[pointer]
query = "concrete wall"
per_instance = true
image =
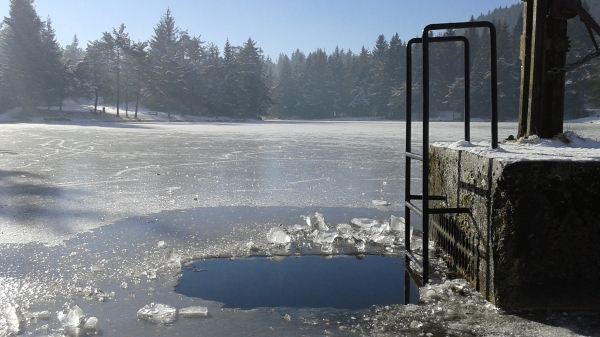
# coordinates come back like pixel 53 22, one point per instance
pixel 537 222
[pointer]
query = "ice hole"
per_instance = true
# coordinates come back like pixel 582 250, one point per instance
pixel 341 282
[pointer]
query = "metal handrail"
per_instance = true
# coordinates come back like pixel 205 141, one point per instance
pixel 425 212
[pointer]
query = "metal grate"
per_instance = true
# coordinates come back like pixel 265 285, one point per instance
pixel 462 250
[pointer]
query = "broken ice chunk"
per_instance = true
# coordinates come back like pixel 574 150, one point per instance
pixel 74 317
pixel 383 239
pixel 360 246
pixel 90 324
pixel 41 314
pixel 379 228
pixel 278 236
pixel 397 224
pixel 162 244
pixel 193 312
pixel 327 248
pixel 317 221
pixel 380 203
pixel 326 237
pixel 12 319
pixel 363 222
pixel 157 313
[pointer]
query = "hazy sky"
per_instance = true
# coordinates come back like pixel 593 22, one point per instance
pixel 276 25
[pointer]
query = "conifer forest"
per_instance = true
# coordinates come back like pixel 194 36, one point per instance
pixel 181 74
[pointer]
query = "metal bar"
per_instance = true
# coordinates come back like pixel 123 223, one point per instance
pixel 425 181
pixel 591 33
pixel 413 258
pixel 407 273
pixel 587 18
pixel 427 212
pixel 415 209
pixel 414 156
pixel 467 68
pixel 494 69
pixel 407 192
pixel 449 210
pixel 493 66
pixel 431 197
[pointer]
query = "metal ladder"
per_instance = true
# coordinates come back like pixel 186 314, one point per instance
pixel 425 211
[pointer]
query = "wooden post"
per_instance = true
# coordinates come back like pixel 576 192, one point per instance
pixel 544 46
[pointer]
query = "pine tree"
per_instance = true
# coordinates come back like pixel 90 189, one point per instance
pixel 396 67
pixel 54 80
pixel 361 80
pixel 138 58
pixel 339 82
pixel 212 71
pixel 255 99
pixel 231 94
pixel 166 53
pixel 283 92
pixel 23 54
pixel 72 51
pixel 381 77
pixel 93 72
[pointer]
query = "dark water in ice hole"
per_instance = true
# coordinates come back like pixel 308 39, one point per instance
pixel 341 282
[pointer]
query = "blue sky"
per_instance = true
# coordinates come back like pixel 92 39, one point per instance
pixel 276 25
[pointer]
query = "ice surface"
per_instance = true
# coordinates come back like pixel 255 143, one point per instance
pixel 193 312
pixel 63 181
pixel 157 313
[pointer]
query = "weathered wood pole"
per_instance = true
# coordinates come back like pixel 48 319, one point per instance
pixel 544 46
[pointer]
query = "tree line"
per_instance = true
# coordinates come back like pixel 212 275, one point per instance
pixel 178 73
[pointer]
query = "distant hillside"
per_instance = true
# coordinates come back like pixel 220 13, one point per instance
pixel 511 14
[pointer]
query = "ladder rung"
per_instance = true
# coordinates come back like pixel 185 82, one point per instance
pixel 414 208
pixel 413 258
pixel 431 197
pixel 414 156
pixel 448 210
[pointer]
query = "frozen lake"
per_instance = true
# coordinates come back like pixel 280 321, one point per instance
pixel 103 216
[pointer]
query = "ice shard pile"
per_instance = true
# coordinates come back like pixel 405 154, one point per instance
pixel 360 235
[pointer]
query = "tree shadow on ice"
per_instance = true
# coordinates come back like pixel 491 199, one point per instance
pixel 28 201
